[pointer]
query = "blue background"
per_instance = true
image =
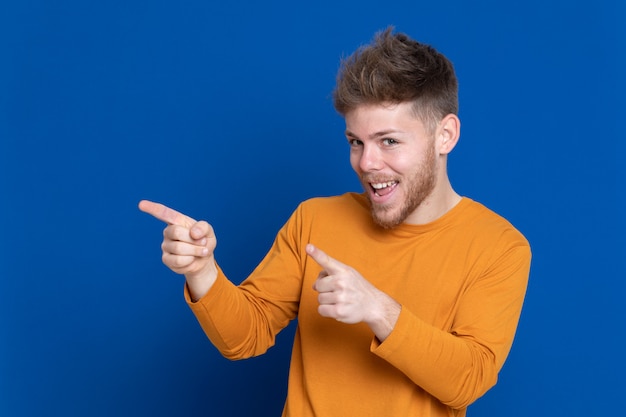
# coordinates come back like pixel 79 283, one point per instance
pixel 223 111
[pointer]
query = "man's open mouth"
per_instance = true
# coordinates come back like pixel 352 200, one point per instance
pixel 383 188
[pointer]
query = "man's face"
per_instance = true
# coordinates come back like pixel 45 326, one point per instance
pixel 394 156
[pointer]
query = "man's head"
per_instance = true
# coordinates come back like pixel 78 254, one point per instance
pixel 396 69
pixel 399 100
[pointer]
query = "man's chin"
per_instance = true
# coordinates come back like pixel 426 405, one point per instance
pixel 385 218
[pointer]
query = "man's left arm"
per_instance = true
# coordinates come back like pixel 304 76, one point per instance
pixel 456 366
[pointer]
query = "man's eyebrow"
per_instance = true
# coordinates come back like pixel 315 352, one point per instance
pixel 349 134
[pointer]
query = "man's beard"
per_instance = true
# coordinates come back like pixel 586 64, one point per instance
pixel 420 185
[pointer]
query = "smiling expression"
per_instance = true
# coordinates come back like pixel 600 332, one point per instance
pixel 394 157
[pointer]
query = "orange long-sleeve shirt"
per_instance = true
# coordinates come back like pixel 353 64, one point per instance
pixel 460 280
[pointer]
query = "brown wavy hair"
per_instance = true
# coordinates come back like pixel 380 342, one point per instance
pixel 396 69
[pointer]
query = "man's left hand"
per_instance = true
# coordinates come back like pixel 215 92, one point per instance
pixel 346 296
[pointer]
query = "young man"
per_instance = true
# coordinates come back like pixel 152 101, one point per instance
pixel 408 295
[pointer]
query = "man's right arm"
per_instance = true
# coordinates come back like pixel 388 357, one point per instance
pixel 188 247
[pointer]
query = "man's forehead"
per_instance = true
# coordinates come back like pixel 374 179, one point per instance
pixel 373 120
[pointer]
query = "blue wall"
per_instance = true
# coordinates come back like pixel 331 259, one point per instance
pixel 223 111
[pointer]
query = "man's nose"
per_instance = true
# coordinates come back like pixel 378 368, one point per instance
pixel 371 159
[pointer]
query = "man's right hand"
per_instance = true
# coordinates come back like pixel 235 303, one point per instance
pixel 188 247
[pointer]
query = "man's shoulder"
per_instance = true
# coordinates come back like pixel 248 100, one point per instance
pixel 488 222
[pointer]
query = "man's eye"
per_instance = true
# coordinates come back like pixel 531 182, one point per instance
pixel 355 142
pixel 390 141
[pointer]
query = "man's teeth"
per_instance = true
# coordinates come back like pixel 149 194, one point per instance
pixel 381 185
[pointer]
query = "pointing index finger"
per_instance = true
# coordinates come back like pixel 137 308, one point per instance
pixel 165 214
pixel 329 264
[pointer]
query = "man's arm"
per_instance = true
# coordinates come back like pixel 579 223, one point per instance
pixel 238 322
pixel 455 366
pixel 459 365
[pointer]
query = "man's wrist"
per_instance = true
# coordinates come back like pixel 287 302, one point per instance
pixel 383 325
pixel 198 285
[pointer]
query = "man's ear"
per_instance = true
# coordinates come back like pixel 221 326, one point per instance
pixel 448 133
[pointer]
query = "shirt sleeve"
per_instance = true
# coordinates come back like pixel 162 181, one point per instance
pixel 459 365
pixel 243 321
